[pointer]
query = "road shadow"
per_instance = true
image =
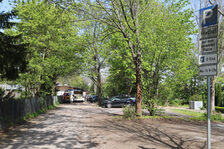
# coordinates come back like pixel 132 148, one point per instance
pixel 155 135
pixel 53 129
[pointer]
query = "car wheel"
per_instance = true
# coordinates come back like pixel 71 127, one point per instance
pixel 109 105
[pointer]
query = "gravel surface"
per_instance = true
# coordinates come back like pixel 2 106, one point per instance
pixel 86 126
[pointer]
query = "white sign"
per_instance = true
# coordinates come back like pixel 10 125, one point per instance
pixel 207 59
pixel 209 70
pixel 209 32
pixel 208 45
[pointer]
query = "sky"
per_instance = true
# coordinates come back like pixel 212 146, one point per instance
pixel 5 6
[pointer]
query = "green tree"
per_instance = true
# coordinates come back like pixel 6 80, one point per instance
pixel 96 53
pixel 167 48
pixel 12 51
pixel 220 49
pixel 121 79
pixel 52 39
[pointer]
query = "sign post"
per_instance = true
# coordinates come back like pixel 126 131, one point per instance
pixel 208 57
pixel 209 114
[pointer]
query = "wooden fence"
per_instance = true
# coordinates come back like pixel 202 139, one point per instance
pixel 12 111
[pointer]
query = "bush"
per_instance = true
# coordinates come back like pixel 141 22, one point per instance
pixel 196 97
pixel 214 117
pixel 219 109
pixel 129 112
pixel 175 102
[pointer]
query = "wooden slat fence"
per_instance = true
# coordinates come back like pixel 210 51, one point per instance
pixel 12 111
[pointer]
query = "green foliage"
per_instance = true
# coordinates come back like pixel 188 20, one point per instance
pixel 129 112
pixel 176 102
pixel 12 51
pixel 188 112
pixel 42 111
pixel 12 54
pixel 196 97
pixel 219 93
pixel 200 116
pixel 53 44
pixel 156 117
pixel 214 117
pixel 219 109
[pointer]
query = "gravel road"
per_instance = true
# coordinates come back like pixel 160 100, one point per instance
pixel 86 126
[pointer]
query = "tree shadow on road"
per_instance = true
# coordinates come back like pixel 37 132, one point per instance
pixel 61 131
pixel 155 135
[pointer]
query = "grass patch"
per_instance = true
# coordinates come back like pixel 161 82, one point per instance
pixel 219 109
pixel 187 112
pixel 156 117
pixel 198 116
pixel 185 105
pixel 42 111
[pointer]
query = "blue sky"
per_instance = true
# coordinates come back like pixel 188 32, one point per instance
pixel 5 6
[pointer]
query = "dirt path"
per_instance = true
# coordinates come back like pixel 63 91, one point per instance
pixel 85 126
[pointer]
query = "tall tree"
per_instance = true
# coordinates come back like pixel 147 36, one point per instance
pixel 131 20
pixel 12 51
pixel 51 34
pixel 121 79
pixel 220 48
pixel 167 46
pixel 123 17
pixel 96 54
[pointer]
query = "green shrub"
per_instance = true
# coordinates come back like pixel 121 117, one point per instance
pixel 214 117
pixel 196 97
pixel 129 112
pixel 219 109
pixel 176 102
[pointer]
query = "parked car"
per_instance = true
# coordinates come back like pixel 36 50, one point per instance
pixel 72 95
pixel 117 101
pixel 127 96
pixel 92 99
pixel 67 97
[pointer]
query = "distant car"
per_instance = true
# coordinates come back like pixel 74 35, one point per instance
pixel 92 99
pixel 117 101
pixel 67 97
pixel 133 99
pixel 60 93
pixel 71 95
pixel 127 96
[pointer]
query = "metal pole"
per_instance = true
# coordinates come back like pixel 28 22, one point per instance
pixel 209 114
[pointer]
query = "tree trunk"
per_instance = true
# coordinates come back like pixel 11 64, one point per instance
pixel 138 87
pixel 99 85
pixel 129 90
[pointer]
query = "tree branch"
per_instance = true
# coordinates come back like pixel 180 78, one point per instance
pixel 125 16
pixel 219 10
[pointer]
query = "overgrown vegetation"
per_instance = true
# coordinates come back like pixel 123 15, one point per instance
pixel 199 116
pixel 187 112
pixel 129 112
pixel 219 109
pixel 42 111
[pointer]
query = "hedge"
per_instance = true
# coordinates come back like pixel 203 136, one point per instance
pixel 219 109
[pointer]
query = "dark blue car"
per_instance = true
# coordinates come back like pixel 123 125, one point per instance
pixel 92 98
pixel 118 101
